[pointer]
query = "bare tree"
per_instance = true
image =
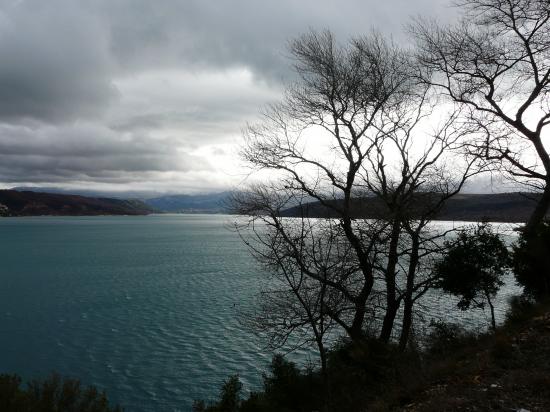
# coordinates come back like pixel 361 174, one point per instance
pixel 496 63
pixel 379 181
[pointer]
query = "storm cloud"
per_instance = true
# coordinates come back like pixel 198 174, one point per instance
pixel 132 94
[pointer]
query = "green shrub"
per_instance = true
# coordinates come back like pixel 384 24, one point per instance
pixel 473 267
pixel 12 398
pixel 230 398
pixel 445 337
pixel 531 262
pixel 359 374
pixel 521 309
pixel 290 389
pixel 53 394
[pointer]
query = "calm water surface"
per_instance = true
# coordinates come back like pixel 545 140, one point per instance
pixel 144 307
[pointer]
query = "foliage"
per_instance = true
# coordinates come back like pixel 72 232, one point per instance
pixel 289 388
pixel 531 261
pixel 286 388
pixel 230 398
pixel 444 337
pixel 369 371
pixel 521 309
pixel 360 372
pixel 53 394
pixel 456 370
pixel 473 267
pixel 230 394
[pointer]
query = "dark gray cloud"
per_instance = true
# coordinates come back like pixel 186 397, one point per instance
pixel 210 33
pixel 55 65
pixel 136 92
pixel 87 152
pixel 244 32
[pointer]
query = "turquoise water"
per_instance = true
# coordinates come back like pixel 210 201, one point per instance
pixel 144 307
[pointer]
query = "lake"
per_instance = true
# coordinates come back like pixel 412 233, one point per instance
pixel 144 307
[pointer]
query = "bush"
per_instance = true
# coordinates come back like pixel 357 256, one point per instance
pixel 230 398
pixel 286 389
pixel 370 371
pixel 360 374
pixel 53 394
pixel 12 398
pixel 521 308
pixel 289 389
pixel 445 337
pixel 473 268
pixel 531 262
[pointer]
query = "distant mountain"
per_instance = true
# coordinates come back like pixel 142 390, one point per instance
pixel 169 203
pixel 127 194
pixel 26 203
pixel 206 203
pixel 498 207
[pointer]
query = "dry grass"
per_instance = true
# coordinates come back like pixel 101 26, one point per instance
pixel 508 371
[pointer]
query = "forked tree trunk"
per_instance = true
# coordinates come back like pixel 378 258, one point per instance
pixel 355 332
pixel 392 304
pixel 408 300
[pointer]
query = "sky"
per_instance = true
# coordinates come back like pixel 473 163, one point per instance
pixel 152 96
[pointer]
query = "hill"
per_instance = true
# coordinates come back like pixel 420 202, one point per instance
pixel 26 203
pixel 497 207
pixel 168 203
pixel 109 194
pixel 207 203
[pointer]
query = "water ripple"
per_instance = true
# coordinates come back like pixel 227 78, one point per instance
pixel 144 307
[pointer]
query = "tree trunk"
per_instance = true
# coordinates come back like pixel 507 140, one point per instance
pixel 325 376
pixel 389 319
pixel 392 305
pixel 409 302
pixel 355 332
pixel 538 214
pixel 407 323
pixel 493 320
